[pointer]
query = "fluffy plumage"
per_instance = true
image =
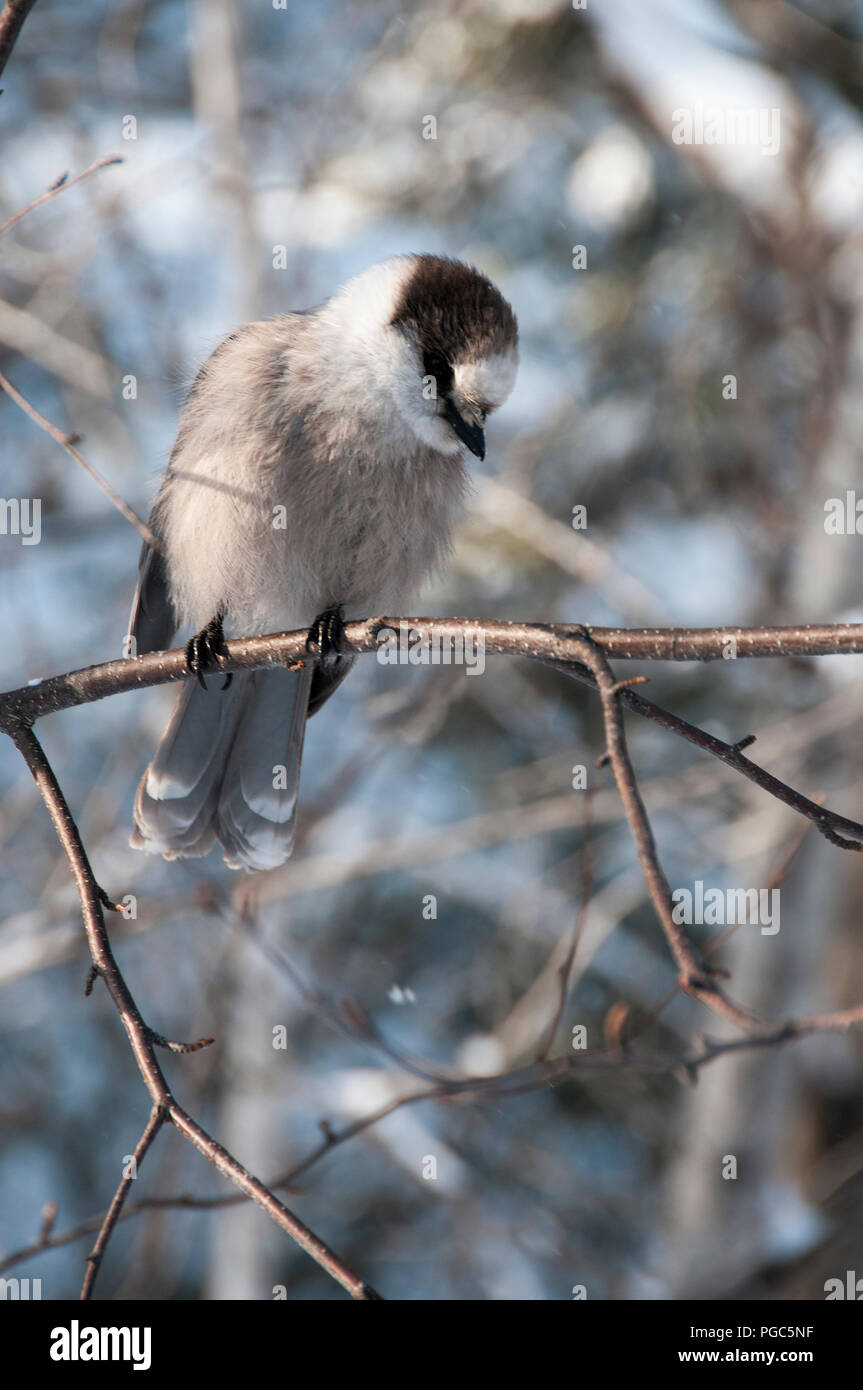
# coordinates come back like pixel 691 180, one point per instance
pixel 313 467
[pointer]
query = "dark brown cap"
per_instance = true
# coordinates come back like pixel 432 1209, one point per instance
pixel 455 312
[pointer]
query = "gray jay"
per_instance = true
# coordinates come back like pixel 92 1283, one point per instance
pixel 317 473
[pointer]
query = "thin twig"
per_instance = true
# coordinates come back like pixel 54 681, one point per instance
pixel 67 442
pixel 716 944
pixel 49 1216
pixel 580 652
pixel 510 1084
pixel 585 890
pixel 141 1036
pixel 11 20
pixel 112 1215
pixel 59 186
pixel 695 980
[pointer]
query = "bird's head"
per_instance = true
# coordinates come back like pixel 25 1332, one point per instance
pixel 433 342
pixel 463 339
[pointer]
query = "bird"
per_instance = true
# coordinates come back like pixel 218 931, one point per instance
pixel 319 468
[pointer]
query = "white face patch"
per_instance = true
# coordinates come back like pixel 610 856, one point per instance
pixel 489 380
pixel 375 363
pixel 364 306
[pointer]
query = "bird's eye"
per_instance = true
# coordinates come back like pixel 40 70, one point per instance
pixel 436 365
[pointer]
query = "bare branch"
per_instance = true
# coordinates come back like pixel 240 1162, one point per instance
pixel 11 21
pixel 59 186
pixel 509 1084
pixel 719 941
pixel 112 1215
pixel 830 823
pixel 141 1037
pixel 585 889
pixel 577 651
pixel 67 442
pixel 553 645
pixel 695 980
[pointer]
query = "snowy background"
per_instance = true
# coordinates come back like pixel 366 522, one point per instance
pixel 293 137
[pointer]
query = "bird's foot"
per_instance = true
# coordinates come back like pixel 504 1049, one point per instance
pixel 206 651
pixel 326 639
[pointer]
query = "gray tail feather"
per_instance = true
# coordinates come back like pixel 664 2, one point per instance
pixel 258 795
pixel 227 768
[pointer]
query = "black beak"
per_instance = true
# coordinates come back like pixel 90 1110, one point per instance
pixel 471 435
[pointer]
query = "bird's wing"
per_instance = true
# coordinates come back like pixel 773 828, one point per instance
pixel 326 680
pixel 152 622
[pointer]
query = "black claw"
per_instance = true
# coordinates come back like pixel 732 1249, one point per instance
pixel 196 659
pixel 326 637
pixel 206 650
